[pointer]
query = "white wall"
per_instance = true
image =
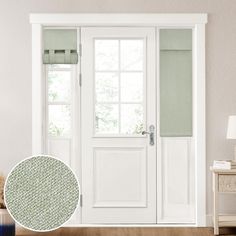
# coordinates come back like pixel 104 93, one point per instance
pixel 15 68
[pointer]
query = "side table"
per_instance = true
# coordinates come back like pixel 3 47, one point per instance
pixel 224 181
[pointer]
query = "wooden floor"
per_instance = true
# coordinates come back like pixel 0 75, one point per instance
pixel 142 231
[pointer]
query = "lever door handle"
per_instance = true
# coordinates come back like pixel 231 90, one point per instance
pixel 145 132
pixel 151 134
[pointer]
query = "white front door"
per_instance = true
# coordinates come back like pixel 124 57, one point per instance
pixel 118 104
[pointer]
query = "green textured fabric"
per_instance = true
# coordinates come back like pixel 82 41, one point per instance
pixel 176 82
pixel 41 193
pixel 176 39
pixel 60 46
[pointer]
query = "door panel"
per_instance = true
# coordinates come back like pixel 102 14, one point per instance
pixel 177 180
pixel 61 117
pixel 110 163
pixel 175 165
pixel 118 103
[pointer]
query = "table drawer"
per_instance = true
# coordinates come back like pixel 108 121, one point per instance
pixel 227 183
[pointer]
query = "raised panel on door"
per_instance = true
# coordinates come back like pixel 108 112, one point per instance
pixel 110 163
pixel 177 180
pixel 118 103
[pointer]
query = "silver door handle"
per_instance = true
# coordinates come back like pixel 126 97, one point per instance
pixel 151 134
pixel 145 132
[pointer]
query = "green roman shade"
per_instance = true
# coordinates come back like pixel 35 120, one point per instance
pixel 60 46
pixel 175 82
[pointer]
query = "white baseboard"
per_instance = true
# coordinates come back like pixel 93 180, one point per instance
pixel 209 223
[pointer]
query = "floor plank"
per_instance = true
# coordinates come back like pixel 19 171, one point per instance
pixel 129 231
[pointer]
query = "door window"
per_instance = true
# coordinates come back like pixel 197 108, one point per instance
pixel 59 100
pixel 59 110
pixel 119 86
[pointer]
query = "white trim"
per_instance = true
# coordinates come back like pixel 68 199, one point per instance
pixel 200 132
pixel 209 220
pixel 76 161
pixel 37 89
pixel 130 19
pixel 196 21
pixel 159 164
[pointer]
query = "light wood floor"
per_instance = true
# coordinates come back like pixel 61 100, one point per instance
pixel 101 231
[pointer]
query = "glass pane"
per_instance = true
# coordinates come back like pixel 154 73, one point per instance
pixel 59 86
pixel 59 66
pixel 107 87
pixel 131 87
pixel 107 118
pixel 131 54
pixel 59 120
pixel 175 83
pixel 106 54
pixel 132 119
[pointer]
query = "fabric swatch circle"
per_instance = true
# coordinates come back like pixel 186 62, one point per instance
pixel 41 193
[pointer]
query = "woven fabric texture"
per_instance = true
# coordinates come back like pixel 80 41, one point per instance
pixel 41 193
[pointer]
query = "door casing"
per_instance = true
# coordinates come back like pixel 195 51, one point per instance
pixel 196 21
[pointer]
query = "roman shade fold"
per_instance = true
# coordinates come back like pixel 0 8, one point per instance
pixel 60 46
pixel 176 39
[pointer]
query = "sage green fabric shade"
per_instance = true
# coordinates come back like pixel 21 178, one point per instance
pixel 176 39
pixel 175 82
pixel 41 193
pixel 60 46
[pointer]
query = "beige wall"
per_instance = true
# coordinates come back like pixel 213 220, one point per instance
pixel 15 68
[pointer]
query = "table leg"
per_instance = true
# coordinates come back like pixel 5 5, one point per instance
pixel 216 204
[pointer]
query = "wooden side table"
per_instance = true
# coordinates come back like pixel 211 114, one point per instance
pixel 224 181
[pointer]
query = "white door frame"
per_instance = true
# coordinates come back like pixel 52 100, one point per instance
pixel 195 21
